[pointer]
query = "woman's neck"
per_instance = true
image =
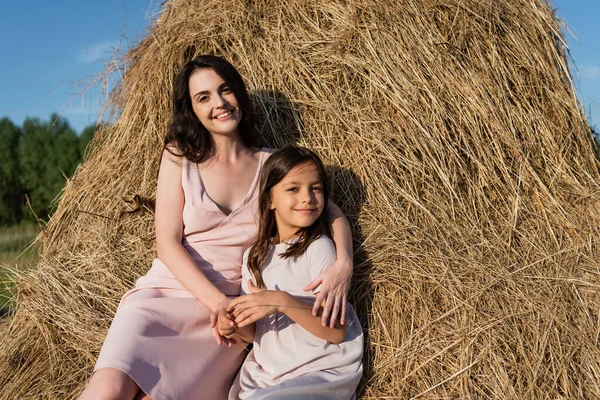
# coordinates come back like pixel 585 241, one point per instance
pixel 228 148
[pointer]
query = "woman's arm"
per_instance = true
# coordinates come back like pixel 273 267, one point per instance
pixel 335 280
pixel 169 233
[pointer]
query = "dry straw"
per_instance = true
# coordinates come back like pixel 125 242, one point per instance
pixel 458 150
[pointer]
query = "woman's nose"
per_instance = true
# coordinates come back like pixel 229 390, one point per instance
pixel 219 101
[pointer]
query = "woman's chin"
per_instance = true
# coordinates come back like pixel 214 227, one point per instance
pixel 225 130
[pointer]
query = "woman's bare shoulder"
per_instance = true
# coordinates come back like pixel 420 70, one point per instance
pixel 173 154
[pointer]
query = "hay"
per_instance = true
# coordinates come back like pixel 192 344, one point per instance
pixel 459 152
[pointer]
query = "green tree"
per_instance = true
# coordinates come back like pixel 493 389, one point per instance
pixel 33 153
pixel 47 153
pixel 65 155
pixel 596 136
pixel 86 137
pixel 11 192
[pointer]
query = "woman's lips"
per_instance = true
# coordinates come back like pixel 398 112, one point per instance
pixel 224 116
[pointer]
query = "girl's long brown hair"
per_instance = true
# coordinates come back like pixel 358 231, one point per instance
pixel 279 164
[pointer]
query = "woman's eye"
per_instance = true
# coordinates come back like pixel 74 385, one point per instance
pixel 226 89
pixel 202 99
pixel 292 189
pixel 317 188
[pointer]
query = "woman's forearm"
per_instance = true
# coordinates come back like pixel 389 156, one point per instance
pixel 301 313
pixel 184 269
pixel 342 235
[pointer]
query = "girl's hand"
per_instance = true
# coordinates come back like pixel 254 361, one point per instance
pixel 252 307
pixel 225 325
pixel 220 339
pixel 335 282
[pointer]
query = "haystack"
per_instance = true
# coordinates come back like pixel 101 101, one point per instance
pixel 458 150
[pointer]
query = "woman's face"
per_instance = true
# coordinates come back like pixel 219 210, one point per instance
pixel 214 103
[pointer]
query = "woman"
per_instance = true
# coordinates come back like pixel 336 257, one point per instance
pixel 161 343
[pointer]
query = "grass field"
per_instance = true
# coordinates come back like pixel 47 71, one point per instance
pixel 15 252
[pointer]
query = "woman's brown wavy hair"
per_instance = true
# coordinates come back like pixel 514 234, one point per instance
pixel 186 136
pixel 279 164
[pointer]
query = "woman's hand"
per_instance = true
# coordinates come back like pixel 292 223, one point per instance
pixel 257 305
pixel 335 282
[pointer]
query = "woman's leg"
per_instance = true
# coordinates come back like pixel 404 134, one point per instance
pixel 110 384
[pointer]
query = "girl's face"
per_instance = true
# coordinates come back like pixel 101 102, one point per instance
pixel 297 200
pixel 214 103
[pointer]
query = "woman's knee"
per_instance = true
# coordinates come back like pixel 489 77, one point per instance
pixel 110 384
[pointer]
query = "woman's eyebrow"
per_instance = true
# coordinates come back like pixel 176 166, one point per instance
pixel 221 86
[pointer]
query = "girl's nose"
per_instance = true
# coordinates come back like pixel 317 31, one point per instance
pixel 309 197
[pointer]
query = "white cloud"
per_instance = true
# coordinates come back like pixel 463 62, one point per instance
pixel 590 71
pixel 93 52
pixel 78 111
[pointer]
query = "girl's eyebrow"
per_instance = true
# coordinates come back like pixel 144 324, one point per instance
pixel 299 183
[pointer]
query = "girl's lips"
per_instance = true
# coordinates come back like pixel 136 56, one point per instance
pixel 306 211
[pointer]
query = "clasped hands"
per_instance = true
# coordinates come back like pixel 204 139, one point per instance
pixel 243 311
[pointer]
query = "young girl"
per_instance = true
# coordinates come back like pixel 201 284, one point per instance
pixel 294 356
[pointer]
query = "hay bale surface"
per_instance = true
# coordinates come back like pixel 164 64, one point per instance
pixel 458 151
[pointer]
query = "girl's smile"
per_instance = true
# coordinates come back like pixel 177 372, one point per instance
pixel 306 211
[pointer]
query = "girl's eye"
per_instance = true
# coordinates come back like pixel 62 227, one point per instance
pixel 317 189
pixel 292 189
pixel 226 89
pixel 202 99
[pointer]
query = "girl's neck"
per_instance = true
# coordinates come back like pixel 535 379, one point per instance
pixel 287 237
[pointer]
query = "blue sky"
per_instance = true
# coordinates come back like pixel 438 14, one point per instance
pixel 582 17
pixel 49 45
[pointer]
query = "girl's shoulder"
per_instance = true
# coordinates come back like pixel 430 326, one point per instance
pixel 322 242
pixel 321 248
pixel 268 151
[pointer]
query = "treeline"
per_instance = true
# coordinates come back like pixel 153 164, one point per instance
pixel 34 161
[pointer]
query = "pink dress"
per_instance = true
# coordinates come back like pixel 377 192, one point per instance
pixel 161 335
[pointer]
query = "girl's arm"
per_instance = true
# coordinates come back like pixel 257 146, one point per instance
pixel 169 233
pixel 246 333
pixel 261 303
pixel 335 280
pixel 301 313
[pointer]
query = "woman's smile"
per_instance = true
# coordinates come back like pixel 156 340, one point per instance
pixel 224 116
